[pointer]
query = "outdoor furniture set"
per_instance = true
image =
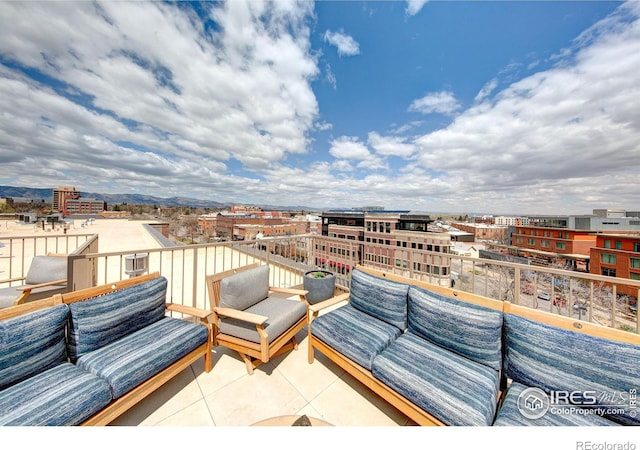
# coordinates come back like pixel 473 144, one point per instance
pixel 86 357
pixel 441 356
pixel 445 357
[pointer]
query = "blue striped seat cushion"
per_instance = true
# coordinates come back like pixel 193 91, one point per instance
pixel 353 333
pixel 98 321
pixel 63 395
pixel 472 331
pixel 554 359
pixel 510 415
pixel 32 343
pixel 380 298
pixel 282 313
pixel 452 388
pixel 137 357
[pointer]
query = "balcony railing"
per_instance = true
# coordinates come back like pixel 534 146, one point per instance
pixel 581 295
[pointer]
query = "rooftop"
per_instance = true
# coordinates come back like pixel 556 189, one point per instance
pixel 228 397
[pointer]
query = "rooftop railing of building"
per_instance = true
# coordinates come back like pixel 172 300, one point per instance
pixel 584 296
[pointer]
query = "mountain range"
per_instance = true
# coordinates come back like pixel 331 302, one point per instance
pixel 45 194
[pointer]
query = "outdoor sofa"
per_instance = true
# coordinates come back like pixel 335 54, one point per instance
pixel 446 357
pixel 86 357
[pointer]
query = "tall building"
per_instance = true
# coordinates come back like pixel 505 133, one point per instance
pixel 60 196
pixel 398 241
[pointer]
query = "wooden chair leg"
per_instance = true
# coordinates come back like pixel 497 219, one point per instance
pixel 248 362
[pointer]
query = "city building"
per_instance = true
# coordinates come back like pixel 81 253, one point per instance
pixel 74 206
pixel 546 245
pixel 60 195
pixel 398 241
pixel 226 223
pixel 601 220
pixel 617 255
pixel 511 220
pixel 483 231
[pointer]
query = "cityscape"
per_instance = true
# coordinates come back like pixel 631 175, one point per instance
pixel 377 215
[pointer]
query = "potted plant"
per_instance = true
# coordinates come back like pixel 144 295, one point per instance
pixel 320 284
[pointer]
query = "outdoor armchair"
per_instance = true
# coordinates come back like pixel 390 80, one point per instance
pixel 46 276
pixel 249 319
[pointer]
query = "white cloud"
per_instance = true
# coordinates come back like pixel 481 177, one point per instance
pixel 572 130
pixel 345 44
pixel 443 102
pixel 415 6
pixel 152 80
pixel 486 90
pixel 391 145
pixel 349 147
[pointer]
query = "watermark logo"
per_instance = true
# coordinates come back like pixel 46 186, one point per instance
pixel 533 403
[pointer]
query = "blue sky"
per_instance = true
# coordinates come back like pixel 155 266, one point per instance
pixel 439 106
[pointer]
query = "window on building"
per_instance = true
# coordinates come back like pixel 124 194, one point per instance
pixel 634 263
pixel 634 276
pixel 531 241
pixel 519 240
pixel 387 226
pixel 636 247
pixel 545 243
pixel 608 258
pixel 368 225
pixel 618 245
pixel 607 243
pixel 607 271
pixel 561 246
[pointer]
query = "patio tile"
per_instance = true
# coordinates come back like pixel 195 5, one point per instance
pixel 252 398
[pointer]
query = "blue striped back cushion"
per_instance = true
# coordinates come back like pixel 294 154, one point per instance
pixel 98 321
pixel 383 299
pixel 555 359
pixel 472 331
pixel 32 343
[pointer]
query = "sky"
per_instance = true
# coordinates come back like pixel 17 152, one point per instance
pixel 506 107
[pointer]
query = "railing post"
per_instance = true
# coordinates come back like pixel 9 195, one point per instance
pixel 516 285
pixel 194 287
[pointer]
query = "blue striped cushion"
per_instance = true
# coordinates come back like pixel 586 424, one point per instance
pixel 452 388
pixel 32 343
pixel 63 395
pixel 353 333
pixel 470 330
pixel 551 358
pixel 135 358
pixel 510 415
pixel 383 299
pixel 101 320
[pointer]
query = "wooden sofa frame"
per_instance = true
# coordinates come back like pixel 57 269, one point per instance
pixel 124 403
pixel 365 376
pixel 400 402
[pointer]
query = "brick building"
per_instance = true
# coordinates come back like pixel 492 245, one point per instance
pixel 617 255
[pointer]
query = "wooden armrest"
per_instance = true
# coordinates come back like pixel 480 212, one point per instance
pixel 329 302
pixel 288 290
pixel 11 280
pixel 31 287
pixel 190 310
pixel 255 319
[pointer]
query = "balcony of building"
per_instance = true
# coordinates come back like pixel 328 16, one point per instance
pixel 288 385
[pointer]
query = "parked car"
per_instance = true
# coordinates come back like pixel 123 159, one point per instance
pixel 544 296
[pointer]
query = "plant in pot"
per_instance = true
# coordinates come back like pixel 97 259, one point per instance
pixel 320 284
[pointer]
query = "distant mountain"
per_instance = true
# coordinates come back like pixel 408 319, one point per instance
pixel 38 195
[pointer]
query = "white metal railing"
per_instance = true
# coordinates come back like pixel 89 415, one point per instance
pixel 16 252
pixel 576 294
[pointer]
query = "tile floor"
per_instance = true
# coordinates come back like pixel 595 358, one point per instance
pixel 228 396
